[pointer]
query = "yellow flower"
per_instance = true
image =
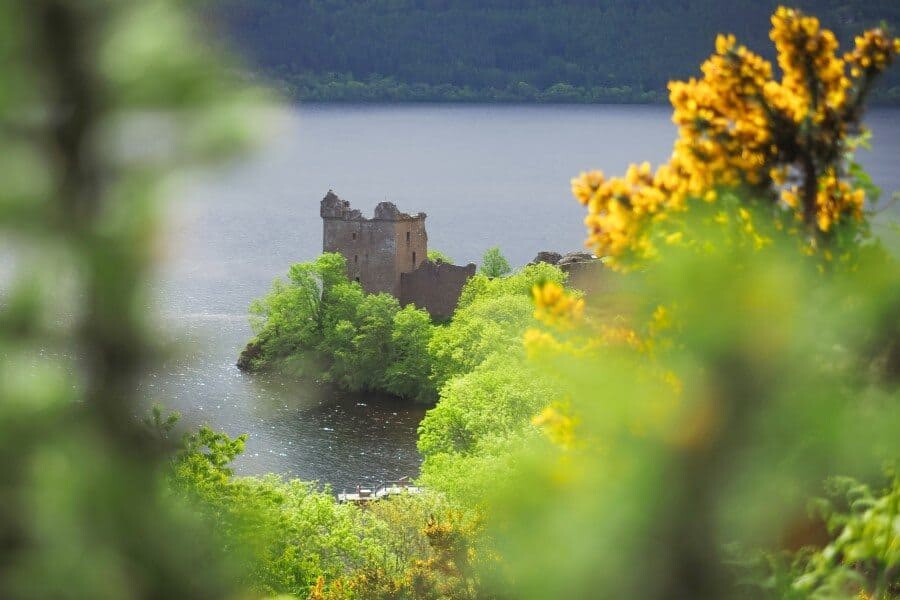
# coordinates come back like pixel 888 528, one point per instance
pixel 558 424
pixel 554 306
pixel 538 343
pixel 584 186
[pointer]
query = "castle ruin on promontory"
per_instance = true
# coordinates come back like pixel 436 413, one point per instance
pixel 389 253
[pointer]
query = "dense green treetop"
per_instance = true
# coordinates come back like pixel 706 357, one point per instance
pixel 546 51
pixel 436 256
pixel 494 264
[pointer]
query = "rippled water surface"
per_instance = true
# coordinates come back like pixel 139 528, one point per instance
pixel 486 175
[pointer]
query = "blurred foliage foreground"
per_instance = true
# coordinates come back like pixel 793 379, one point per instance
pixel 661 440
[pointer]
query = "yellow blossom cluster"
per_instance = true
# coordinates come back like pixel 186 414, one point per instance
pixel 538 343
pixel 874 52
pixel 616 206
pixel 723 134
pixel 595 340
pixel 558 423
pixel 739 127
pixel 834 198
pixel 619 335
pixel 813 75
pixel 561 310
pixel 574 336
pixel 555 307
pixel 541 344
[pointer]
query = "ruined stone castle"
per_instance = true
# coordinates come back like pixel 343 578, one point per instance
pixel 389 253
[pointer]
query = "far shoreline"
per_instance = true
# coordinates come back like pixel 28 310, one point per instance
pixel 884 104
pixel 338 89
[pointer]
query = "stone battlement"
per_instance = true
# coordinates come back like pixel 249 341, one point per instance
pixel 333 207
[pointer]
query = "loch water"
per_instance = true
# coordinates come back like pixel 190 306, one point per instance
pixel 485 175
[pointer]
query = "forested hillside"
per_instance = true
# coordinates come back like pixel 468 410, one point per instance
pixel 508 50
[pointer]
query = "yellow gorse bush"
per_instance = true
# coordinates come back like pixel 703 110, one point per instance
pixel 737 126
pixel 701 397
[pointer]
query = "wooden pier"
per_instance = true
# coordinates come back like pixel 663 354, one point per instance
pixel 363 495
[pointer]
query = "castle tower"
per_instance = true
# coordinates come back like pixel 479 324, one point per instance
pixel 378 250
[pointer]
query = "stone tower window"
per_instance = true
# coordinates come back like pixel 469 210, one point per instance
pixel 407 241
pixel 414 256
pixel 354 235
pixel 356 258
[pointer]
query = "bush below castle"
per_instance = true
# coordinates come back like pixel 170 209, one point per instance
pixel 318 324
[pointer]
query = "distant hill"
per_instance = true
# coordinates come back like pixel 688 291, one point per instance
pixel 508 50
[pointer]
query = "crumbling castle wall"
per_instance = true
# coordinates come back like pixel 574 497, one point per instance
pixel 586 272
pixel 435 287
